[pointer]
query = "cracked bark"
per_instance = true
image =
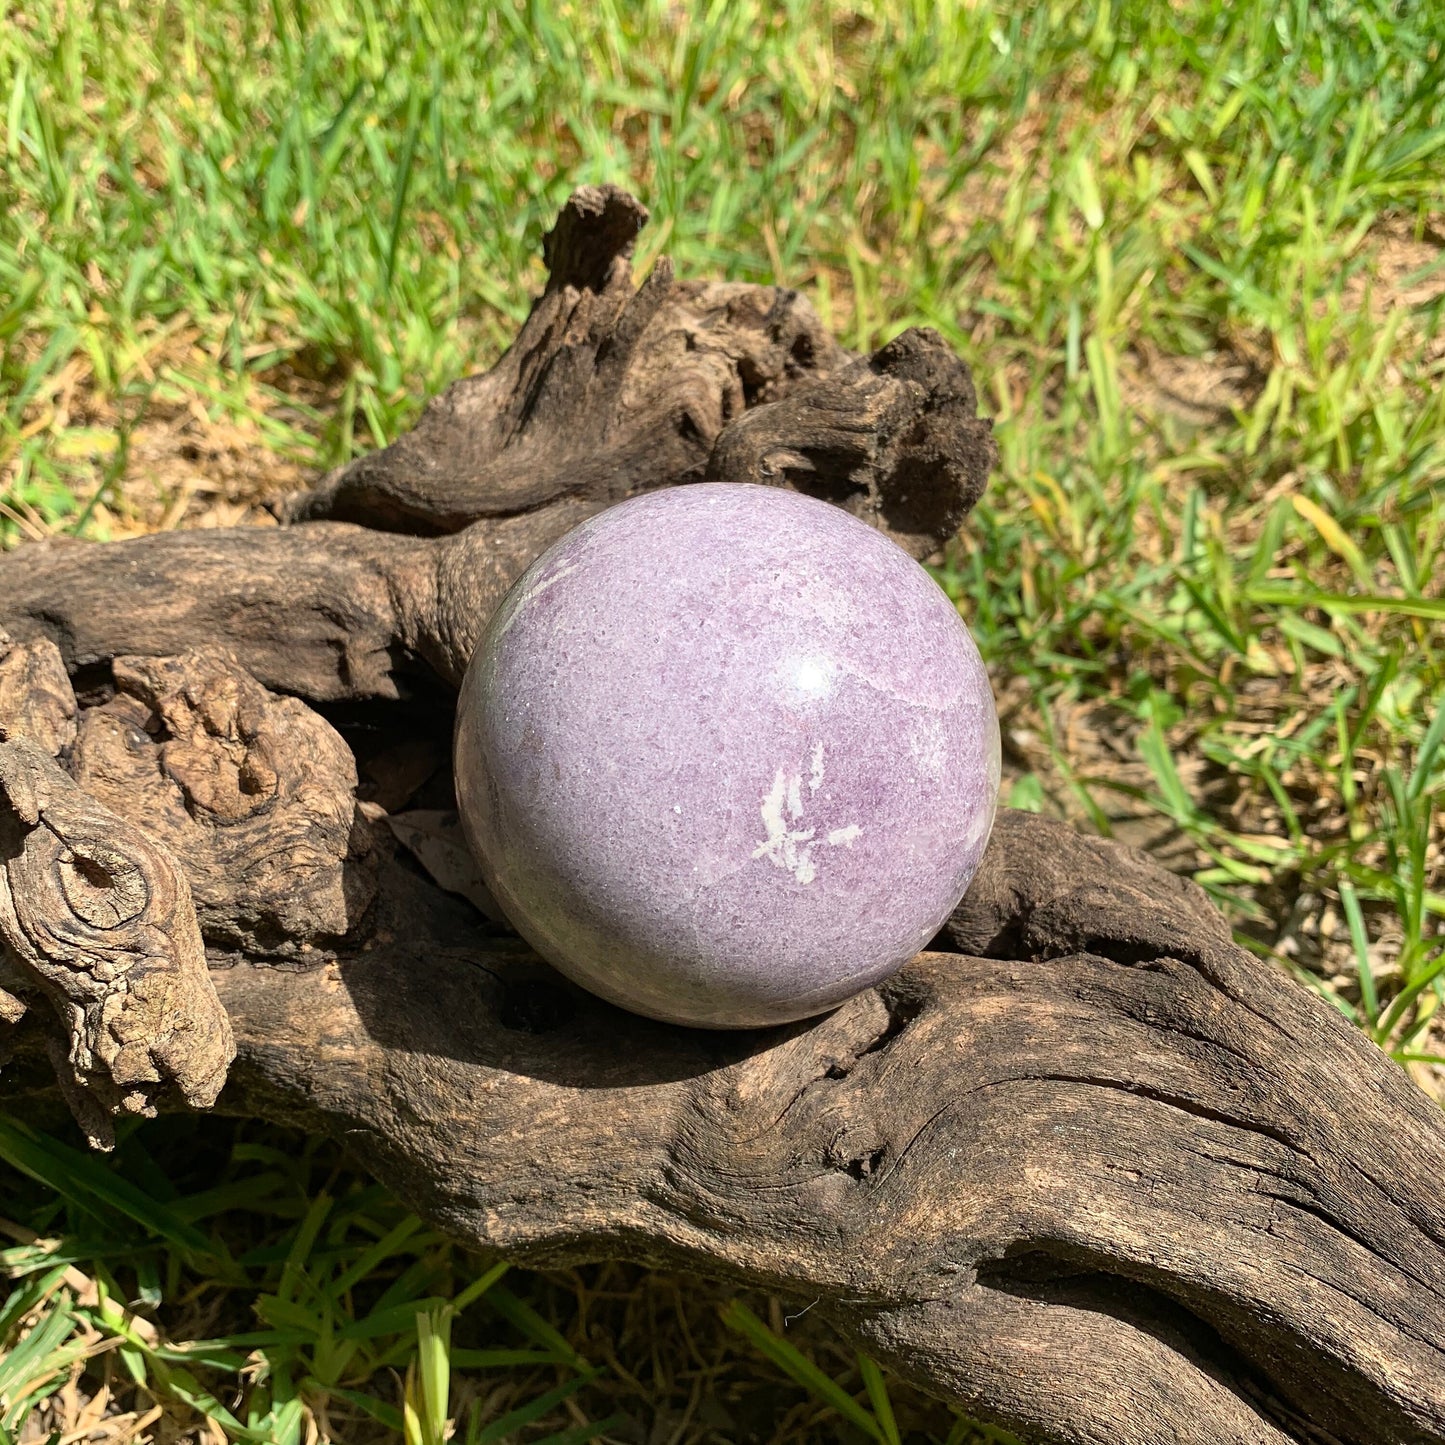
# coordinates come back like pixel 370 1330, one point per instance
pixel 96 923
pixel 1095 1174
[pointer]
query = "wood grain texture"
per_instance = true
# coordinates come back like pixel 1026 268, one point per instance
pixel 96 922
pixel 328 611
pixel 893 438
pixel 35 693
pixel 255 792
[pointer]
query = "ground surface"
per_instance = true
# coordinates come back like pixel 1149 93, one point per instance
pixel 1196 258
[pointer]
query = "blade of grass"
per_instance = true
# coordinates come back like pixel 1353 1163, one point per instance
pixel 788 1358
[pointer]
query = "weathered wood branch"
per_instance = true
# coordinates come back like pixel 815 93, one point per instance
pixel 96 922
pixel 894 438
pixel 1098 1175
pixel 607 391
pixel 1149 1191
pixel 329 611
pixel 256 792
pixel 332 611
pixel 35 693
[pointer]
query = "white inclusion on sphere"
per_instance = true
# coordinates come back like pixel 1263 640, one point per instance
pixel 543 583
pixel 784 846
pixel 928 745
pixel 532 593
pixel 789 847
pixel 795 796
pixel 810 676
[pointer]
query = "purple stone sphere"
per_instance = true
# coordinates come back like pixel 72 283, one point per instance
pixel 726 755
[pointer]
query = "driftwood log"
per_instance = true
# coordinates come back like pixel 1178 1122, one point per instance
pixel 1087 1170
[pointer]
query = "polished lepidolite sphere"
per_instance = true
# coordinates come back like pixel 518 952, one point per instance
pixel 726 755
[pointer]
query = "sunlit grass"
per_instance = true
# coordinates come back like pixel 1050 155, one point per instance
pixel 246 1286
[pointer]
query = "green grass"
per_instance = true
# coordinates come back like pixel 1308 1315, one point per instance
pixel 294 1297
pixel 345 1288
pixel 1193 253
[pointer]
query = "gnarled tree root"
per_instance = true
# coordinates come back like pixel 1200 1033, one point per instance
pixel 1095 1174
pixel 96 921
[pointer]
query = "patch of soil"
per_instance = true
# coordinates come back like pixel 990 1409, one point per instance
pixel 190 470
